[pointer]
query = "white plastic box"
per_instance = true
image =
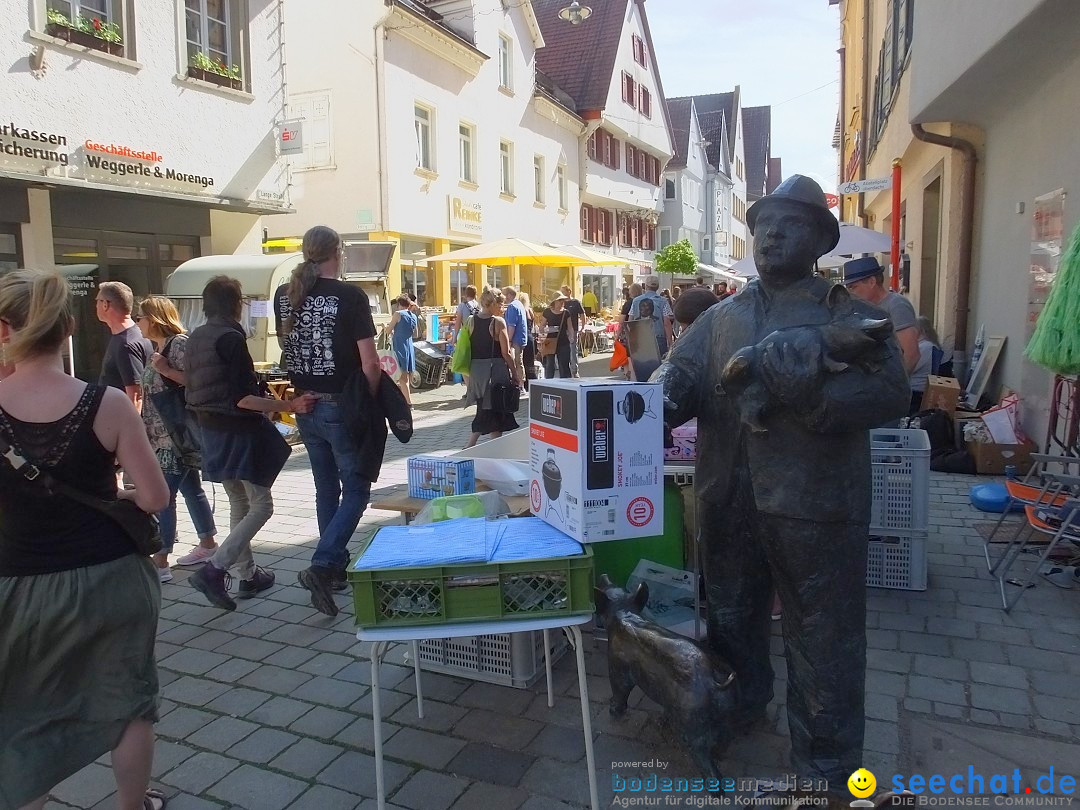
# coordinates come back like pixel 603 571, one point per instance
pixel 435 476
pixel 508 659
pixel 596 455
pixel 900 480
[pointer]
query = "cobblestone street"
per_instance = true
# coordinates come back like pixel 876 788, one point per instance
pixel 270 708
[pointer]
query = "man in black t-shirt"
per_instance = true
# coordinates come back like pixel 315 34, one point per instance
pixel 328 337
pixel 127 352
pixel 576 314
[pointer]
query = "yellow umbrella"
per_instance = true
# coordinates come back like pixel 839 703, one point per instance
pixel 513 250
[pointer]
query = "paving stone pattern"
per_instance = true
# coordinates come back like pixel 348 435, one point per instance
pixel 269 707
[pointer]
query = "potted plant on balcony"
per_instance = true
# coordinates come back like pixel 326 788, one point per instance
pixel 90 32
pixel 206 69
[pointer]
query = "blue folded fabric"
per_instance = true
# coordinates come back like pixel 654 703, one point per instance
pixel 530 538
pixel 465 540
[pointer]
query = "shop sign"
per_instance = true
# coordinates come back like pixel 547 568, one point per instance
pixel 32 145
pixel 466 216
pixel 33 150
pixel 291 137
pixel 81 286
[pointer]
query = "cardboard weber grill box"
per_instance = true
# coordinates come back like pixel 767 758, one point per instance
pixel 596 454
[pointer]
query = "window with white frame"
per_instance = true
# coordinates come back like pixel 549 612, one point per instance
pixel 560 173
pixel 506 168
pixel 104 19
pixel 213 29
pixel 423 120
pixel 506 64
pixel 467 152
pixel 706 245
pixel 665 237
pixel 313 109
pixel 669 189
pixel 538 179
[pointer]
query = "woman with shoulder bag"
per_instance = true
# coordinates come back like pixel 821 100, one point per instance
pixel 79 602
pixel 492 366
pixel 555 339
pixel 159 322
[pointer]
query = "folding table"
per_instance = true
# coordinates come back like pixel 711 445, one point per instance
pixel 382 638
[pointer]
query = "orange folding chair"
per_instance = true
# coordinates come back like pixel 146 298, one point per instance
pixel 1057 522
pixel 1040 487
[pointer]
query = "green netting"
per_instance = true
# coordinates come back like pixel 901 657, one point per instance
pixel 1056 342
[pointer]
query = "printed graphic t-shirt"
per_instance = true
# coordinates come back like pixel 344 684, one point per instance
pixel 320 352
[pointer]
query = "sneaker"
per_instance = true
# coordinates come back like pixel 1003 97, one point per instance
pixel 259 582
pixel 213 583
pixel 164 574
pixel 320 582
pixel 198 556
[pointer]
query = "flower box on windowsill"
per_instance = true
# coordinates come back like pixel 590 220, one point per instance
pixel 77 37
pixel 215 78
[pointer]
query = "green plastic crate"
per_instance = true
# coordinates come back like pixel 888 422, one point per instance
pixel 398 597
pixel 619 558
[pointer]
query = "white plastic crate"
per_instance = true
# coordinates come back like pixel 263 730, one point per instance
pixel 897 561
pixel 508 659
pixel 900 480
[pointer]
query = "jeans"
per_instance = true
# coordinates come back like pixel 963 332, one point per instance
pixel 574 338
pixel 250 507
pixel 560 359
pixel 341 493
pixel 188 484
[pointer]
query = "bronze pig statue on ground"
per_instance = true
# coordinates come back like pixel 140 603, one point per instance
pixel 694 686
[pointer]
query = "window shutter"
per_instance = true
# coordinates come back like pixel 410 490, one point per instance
pixel 319 131
pixel 630 158
pixel 585 230
pixel 616 153
pixel 646 102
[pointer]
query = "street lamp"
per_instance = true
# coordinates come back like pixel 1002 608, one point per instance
pixel 575 13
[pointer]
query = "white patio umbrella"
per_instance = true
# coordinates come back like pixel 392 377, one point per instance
pixel 856 239
pixel 510 250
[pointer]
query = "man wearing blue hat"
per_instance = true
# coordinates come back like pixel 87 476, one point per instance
pixel 865 279
pixel 787 507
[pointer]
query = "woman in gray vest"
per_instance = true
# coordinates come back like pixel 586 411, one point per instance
pixel 241 448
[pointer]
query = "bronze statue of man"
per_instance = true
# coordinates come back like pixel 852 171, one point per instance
pixel 784 499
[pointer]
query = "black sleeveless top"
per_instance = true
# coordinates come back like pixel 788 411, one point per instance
pixel 41 533
pixel 482 339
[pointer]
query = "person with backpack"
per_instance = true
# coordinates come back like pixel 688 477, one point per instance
pixel 660 314
pixel 159 323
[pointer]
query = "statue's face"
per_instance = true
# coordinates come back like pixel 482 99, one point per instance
pixel 785 242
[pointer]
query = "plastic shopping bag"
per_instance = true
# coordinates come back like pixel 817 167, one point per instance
pixel 462 357
pixel 671 595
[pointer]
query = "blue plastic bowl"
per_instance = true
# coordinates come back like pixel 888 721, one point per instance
pixel 992 498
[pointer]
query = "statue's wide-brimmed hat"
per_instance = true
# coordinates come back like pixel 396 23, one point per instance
pixel 803 191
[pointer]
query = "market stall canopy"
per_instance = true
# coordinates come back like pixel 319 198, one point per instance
pixel 745 267
pixel 256 274
pixel 723 271
pixel 594 257
pixel 513 250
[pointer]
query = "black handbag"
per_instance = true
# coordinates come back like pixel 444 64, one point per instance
pixel 505 398
pixel 138 525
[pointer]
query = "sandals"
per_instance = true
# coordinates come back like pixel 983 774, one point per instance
pixel 1061 576
pixel 154 800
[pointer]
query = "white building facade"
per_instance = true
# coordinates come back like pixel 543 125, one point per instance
pixel 437 137
pixel 686 203
pixel 112 162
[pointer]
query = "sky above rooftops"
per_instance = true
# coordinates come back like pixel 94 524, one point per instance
pixel 782 53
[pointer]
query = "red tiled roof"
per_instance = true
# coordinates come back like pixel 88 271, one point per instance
pixel 679 114
pixel 581 58
pixel 757 144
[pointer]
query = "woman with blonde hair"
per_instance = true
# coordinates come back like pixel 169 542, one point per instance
pixel 491 364
pixel 159 322
pixel 327 336
pixel 78 603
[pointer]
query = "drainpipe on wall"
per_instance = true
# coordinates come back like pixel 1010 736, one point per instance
pixel 864 108
pixel 380 119
pixel 967 236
